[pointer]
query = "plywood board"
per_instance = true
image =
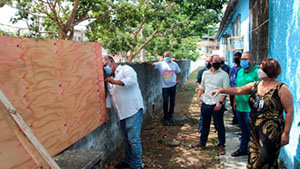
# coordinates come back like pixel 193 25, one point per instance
pixel 12 155
pixel 56 86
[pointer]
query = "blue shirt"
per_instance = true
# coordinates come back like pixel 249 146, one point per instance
pixel 233 73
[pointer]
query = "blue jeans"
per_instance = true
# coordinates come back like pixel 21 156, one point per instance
pixel 131 128
pixel 200 123
pixel 243 119
pixel 169 92
pixel 208 111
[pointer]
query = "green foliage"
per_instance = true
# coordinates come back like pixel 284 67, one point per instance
pixel 3 33
pixel 124 26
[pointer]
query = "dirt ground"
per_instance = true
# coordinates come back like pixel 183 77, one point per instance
pixel 169 147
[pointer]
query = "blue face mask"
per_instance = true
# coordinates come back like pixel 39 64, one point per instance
pixel 245 64
pixel 107 69
pixel 167 59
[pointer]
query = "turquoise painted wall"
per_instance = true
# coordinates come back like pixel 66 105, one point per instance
pixel 242 8
pixel 284 45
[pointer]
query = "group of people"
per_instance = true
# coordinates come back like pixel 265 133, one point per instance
pixel 257 98
pixel 258 101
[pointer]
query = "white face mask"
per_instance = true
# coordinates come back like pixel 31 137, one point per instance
pixel 261 74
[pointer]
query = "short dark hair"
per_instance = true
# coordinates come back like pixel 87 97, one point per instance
pixel 214 55
pixel 238 54
pixel 271 67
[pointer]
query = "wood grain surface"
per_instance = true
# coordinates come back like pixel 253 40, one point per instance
pixel 56 86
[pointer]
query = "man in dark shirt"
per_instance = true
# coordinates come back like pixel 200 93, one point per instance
pixel 224 66
pixel 198 82
pixel 207 66
pixel 232 76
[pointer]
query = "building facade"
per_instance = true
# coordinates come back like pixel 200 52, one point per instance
pixel 233 33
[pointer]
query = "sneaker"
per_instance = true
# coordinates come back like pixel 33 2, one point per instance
pixel 222 150
pixel 141 167
pixel 239 153
pixel 122 164
pixel 166 123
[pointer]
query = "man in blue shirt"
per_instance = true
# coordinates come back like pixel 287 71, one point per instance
pixel 232 76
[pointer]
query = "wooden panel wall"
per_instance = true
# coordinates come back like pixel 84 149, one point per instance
pixel 56 86
pixel 12 153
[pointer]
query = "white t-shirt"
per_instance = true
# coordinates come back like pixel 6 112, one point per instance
pixel 168 71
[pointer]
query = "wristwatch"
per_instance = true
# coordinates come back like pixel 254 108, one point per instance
pixel 220 102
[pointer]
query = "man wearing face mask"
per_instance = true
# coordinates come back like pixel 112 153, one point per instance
pixel 247 74
pixel 198 82
pixel 212 79
pixel 200 73
pixel 127 101
pixel 224 66
pixel 169 75
pixel 232 76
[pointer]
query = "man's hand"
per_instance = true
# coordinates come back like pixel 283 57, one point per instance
pixel 218 107
pixel 110 80
pixel 199 101
pixel 234 105
pixel 177 81
pixel 215 93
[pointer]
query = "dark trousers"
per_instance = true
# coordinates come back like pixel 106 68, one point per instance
pixel 169 93
pixel 234 120
pixel 207 112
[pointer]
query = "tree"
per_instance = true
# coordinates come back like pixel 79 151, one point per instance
pixel 125 27
pixel 164 20
pixel 57 18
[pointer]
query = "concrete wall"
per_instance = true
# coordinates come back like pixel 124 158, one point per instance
pixel 200 62
pixel 242 8
pixel 284 35
pixel 107 139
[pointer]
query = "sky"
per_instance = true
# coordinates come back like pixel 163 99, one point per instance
pixel 8 12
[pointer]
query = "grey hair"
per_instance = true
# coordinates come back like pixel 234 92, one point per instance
pixel 108 58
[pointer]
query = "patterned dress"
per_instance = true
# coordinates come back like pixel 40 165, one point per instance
pixel 266 127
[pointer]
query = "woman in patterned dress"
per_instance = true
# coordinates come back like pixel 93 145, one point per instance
pixel 269 130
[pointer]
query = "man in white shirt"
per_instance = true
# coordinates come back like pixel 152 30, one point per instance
pixel 127 101
pixel 169 75
pixel 212 79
